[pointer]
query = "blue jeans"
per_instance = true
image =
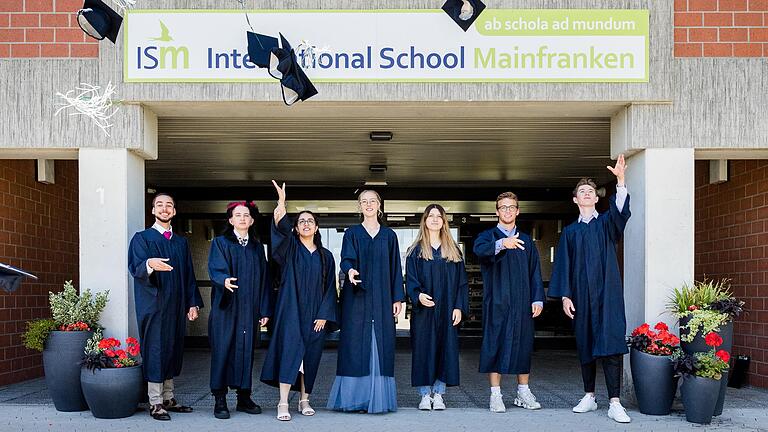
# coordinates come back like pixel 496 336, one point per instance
pixel 438 387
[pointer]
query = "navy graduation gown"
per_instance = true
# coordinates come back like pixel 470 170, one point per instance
pixel 368 305
pixel 302 299
pixel 434 338
pixel 511 283
pixel 586 270
pixel 233 323
pixel 162 301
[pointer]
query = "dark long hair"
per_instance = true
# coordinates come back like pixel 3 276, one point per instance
pixel 229 230
pixel 317 240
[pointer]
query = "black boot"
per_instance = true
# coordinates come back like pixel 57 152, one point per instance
pixel 220 410
pixel 246 404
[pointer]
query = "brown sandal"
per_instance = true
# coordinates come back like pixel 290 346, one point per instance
pixel 158 412
pixel 173 406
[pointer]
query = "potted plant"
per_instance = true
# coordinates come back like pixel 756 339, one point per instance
pixel 703 308
pixel 62 339
pixel 651 364
pixel 702 374
pixel 111 377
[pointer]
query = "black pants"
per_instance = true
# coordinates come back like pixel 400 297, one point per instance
pixel 241 393
pixel 612 370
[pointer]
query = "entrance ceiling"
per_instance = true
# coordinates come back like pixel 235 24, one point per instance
pixel 433 145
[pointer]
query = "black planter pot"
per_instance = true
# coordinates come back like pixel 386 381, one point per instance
pixel 61 362
pixel 654 381
pixel 721 397
pixel 112 392
pixel 699 398
pixel 698 344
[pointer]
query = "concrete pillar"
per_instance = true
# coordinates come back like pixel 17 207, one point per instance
pixel 658 240
pixel 111 208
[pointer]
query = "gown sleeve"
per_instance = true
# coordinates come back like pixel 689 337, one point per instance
pixel 192 291
pixel 349 258
pixel 485 247
pixel 327 310
pixel 398 294
pixel 138 254
pixel 265 302
pixel 218 271
pixel 534 268
pixel 617 219
pixel 412 283
pixel 462 291
pixel 282 240
pixel 560 284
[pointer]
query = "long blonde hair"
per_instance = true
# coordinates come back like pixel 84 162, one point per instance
pixel 448 247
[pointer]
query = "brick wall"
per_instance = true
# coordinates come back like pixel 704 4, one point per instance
pixel 43 28
pixel 38 233
pixel 721 28
pixel 732 242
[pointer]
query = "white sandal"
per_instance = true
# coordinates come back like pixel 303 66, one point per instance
pixel 284 416
pixel 306 411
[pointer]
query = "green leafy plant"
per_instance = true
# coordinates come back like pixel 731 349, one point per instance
pixel 70 311
pixel 67 307
pixel 697 296
pixel 710 364
pixel 37 333
pixel 701 320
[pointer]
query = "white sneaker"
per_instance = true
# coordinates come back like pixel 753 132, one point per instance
pixel 437 402
pixel 618 413
pixel 527 400
pixel 426 403
pixel 497 404
pixel 586 404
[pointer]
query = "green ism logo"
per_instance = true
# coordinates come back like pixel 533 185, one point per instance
pixel 160 55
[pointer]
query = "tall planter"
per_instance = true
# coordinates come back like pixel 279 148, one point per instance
pixel 699 398
pixel 721 396
pixel 654 381
pixel 112 392
pixel 698 344
pixel 61 362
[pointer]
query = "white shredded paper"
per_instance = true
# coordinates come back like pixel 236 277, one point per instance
pixel 87 101
pixel 124 4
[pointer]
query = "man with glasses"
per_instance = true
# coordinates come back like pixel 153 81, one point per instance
pixel 586 277
pixel 513 295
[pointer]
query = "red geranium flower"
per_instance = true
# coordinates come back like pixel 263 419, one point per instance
pixel 109 353
pixel 641 330
pixel 713 339
pixel 661 326
pixel 132 341
pixel 133 350
pixel 724 356
pixel 692 307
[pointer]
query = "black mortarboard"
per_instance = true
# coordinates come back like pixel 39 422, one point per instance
pixel 454 10
pixel 260 48
pixel 281 63
pixel 99 21
pixel 10 277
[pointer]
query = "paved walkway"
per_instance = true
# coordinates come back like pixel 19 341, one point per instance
pixel 555 381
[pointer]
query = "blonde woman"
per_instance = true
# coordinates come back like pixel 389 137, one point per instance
pixel 371 298
pixel 436 282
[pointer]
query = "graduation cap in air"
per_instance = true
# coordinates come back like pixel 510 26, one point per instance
pixel 464 12
pixel 99 21
pixel 10 277
pixel 282 65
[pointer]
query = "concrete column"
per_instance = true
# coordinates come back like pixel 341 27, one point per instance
pixel 111 204
pixel 658 240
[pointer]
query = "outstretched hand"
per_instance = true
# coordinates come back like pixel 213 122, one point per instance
pixel 619 169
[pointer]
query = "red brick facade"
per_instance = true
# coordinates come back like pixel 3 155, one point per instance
pixel 721 28
pixel 38 233
pixel 43 28
pixel 732 242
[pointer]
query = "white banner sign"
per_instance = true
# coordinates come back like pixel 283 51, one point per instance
pixel 549 45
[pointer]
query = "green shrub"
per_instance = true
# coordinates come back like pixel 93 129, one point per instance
pixel 67 307
pixel 37 333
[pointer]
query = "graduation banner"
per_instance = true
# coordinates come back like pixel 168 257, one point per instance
pixel 413 45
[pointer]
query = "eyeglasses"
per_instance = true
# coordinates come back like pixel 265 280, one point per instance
pixel 305 222
pixel 368 202
pixel 508 208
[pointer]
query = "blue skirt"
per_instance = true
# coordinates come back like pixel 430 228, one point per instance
pixel 373 393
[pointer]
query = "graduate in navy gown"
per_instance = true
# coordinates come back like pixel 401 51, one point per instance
pixel 436 282
pixel 166 295
pixel 586 277
pixel 371 298
pixel 306 306
pixel 513 295
pixel 240 304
